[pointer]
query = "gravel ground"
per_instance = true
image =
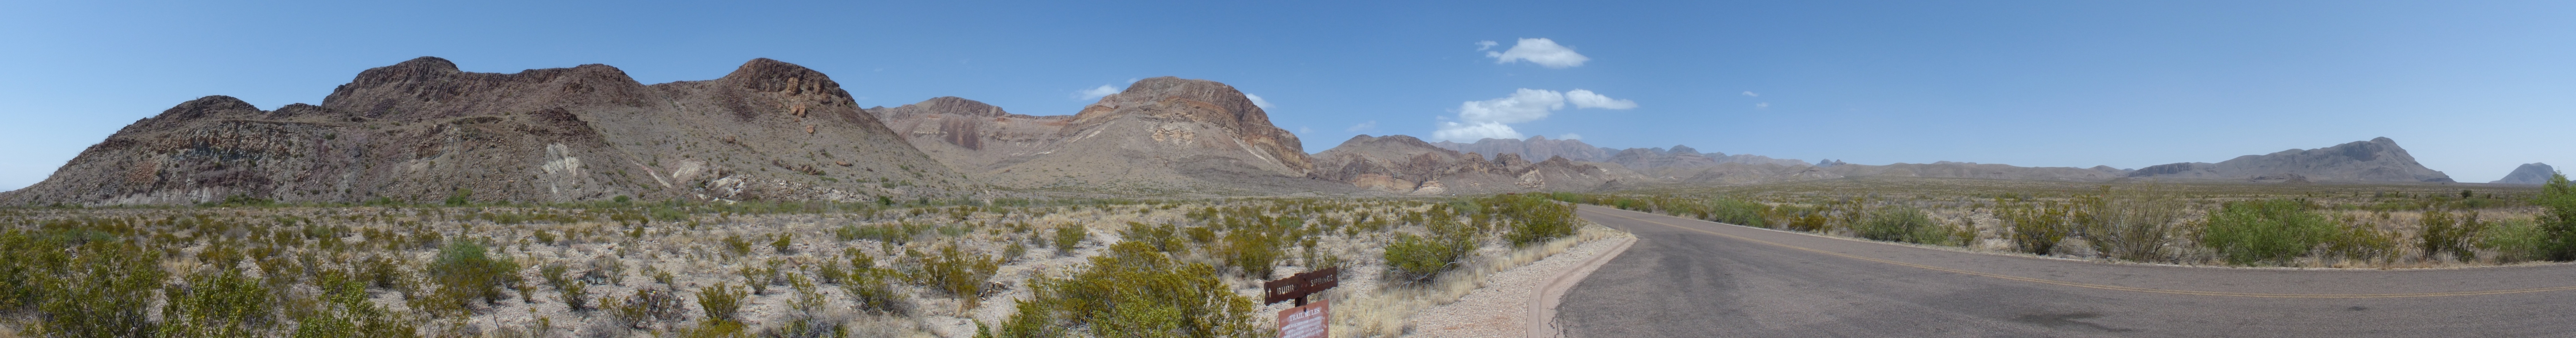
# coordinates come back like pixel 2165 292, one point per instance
pixel 1501 307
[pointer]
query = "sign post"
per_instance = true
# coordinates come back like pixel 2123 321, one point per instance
pixel 1305 320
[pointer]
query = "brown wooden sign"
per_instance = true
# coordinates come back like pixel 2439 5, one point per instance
pixel 1296 287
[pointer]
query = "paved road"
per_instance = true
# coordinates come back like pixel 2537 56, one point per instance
pixel 1691 278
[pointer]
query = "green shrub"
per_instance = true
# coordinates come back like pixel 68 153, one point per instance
pixel 345 312
pixel 1415 259
pixel 957 272
pixel 104 290
pixel 465 270
pixel 2037 231
pixel 1066 238
pixel 2444 233
pixel 2557 219
pixel 721 301
pixel 2266 231
pixel 460 197
pixel 1903 224
pixel 1534 219
pixel 217 304
pixel 1136 291
pixel 2133 223
pixel 736 245
pixel 2514 240
pixel 646 307
pixel 871 289
pixel 785 244
pixel 1253 252
pixel 1734 211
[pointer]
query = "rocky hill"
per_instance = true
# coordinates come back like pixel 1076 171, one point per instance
pixel 423 130
pixel 1406 165
pixel 2376 160
pixel 1162 135
pixel 2534 173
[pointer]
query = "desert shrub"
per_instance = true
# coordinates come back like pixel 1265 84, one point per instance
pixel 103 289
pixel 1534 219
pixel 646 307
pixel 2514 240
pixel 871 289
pixel 217 304
pixel 345 312
pixel 736 245
pixel 2444 233
pixel 460 197
pixel 465 270
pixel 1068 237
pixel 2360 242
pixel 575 295
pixel 721 301
pixel 1165 238
pixel 2037 231
pixel 1735 211
pixel 1253 252
pixel 1415 259
pixel 897 234
pixel 2266 231
pixel 2133 223
pixel 2557 219
pixel 957 272
pixel 1136 291
pixel 1903 224
pixel 785 244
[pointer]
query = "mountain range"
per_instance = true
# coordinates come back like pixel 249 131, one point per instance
pixel 423 130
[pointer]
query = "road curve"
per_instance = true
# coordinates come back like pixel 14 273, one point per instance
pixel 1692 278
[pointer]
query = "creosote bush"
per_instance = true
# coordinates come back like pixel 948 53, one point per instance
pixel 721 301
pixel 2267 231
pixel 1135 291
pixel 955 271
pixel 1904 224
pixel 464 270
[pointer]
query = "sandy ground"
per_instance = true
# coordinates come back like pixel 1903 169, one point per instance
pixel 1501 308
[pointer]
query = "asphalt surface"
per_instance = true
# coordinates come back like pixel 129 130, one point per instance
pixel 1692 278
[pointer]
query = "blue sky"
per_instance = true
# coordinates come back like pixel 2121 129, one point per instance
pixel 2471 88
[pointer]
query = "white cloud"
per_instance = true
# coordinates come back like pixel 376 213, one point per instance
pixel 1258 102
pixel 1570 136
pixel 1371 124
pixel 1484 45
pixel 1492 118
pixel 1305 131
pixel 1749 93
pixel 1586 99
pixel 1541 51
pixel 1764 105
pixel 1095 93
pixel 1523 106
pixel 1454 131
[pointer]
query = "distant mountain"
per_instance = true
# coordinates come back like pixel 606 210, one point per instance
pixel 1634 158
pixel 1161 135
pixel 2376 160
pixel 1406 165
pixel 422 130
pixel 2534 173
pixel 1534 147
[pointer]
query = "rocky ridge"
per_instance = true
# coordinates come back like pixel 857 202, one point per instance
pixel 1406 165
pixel 423 130
pixel 2376 160
pixel 1161 135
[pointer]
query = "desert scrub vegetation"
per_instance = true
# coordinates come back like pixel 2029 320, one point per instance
pixel 2176 222
pixel 885 268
